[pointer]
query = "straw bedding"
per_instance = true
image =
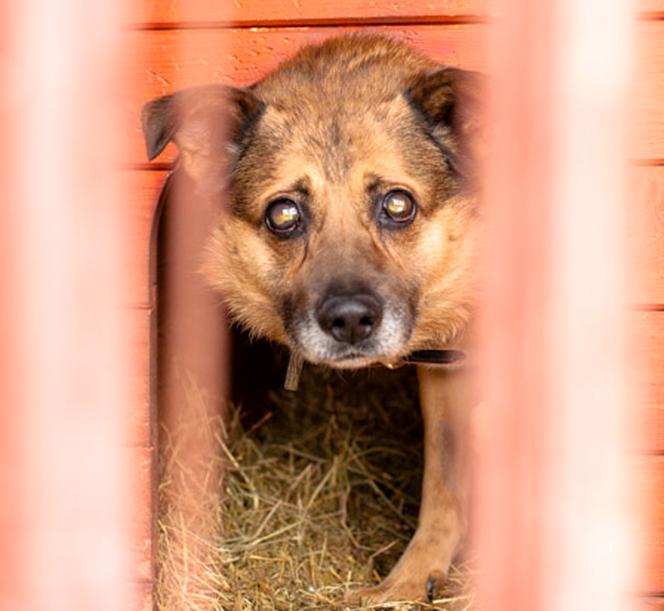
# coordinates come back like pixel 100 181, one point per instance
pixel 319 496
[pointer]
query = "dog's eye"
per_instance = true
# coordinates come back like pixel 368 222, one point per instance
pixel 399 206
pixel 282 217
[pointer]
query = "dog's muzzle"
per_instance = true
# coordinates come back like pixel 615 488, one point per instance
pixel 349 326
pixel 350 319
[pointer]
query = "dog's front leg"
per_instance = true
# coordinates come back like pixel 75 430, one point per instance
pixel 445 402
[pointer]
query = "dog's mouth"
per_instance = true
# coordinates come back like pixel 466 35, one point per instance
pixel 388 345
pixel 355 360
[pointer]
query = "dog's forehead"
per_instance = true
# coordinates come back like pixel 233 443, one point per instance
pixel 335 114
pixel 334 136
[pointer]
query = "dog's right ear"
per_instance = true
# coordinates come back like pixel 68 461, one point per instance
pixel 206 123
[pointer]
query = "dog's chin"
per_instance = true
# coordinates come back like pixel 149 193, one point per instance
pixel 349 361
pixel 354 361
pixel 349 357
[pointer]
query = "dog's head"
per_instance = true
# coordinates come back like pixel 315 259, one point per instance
pixel 350 234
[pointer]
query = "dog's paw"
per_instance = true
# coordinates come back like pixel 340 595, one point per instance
pixel 399 589
pixel 418 575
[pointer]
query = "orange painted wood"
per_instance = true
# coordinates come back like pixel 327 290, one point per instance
pixel 140 421
pixel 648 482
pixel 144 188
pixel 270 12
pixel 646 350
pixel 163 61
pixel 649 90
pixel 654 7
pixel 645 216
pixel 650 604
pixel 648 428
pixel 297 11
pixel 141 464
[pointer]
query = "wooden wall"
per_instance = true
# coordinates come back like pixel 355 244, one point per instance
pixel 175 44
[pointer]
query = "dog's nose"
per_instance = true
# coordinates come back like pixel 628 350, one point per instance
pixel 350 318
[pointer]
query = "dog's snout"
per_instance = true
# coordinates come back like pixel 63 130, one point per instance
pixel 350 318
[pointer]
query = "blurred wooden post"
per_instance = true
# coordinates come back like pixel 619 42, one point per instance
pixel 192 383
pixel 552 530
pixel 64 522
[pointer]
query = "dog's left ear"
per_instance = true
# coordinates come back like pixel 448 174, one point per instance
pixel 450 101
pixel 207 124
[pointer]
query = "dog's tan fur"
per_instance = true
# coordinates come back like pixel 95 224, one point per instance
pixel 339 121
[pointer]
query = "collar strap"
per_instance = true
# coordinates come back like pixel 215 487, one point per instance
pixel 442 357
pixel 431 357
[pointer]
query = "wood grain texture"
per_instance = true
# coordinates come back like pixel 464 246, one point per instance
pixel 646 358
pixel 649 90
pixel 648 603
pixel 142 189
pixel 262 12
pixel 645 217
pixel 652 7
pixel 141 464
pixel 270 12
pixel 140 421
pixel 648 482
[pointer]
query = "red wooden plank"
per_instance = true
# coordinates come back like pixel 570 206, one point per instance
pixel 294 11
pixel 649 90
pixel 646 349
pixel 553 363
pixel 65 516
pixel 139 424
pixel 270 12
pixel 653 7
pixel 648 482
pixel 645 215
pixel 142 188
pixel 141 464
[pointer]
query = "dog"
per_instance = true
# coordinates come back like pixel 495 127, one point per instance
pixel 351 235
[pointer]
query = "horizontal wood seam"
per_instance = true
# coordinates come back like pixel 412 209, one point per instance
pixel 305 23
pixel 160 166
pixel 338 22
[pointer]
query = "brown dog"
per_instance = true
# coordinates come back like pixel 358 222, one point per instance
pixel 351 233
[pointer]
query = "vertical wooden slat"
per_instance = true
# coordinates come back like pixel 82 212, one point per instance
pixel 551 523
pixel 64 522
pixel 192 381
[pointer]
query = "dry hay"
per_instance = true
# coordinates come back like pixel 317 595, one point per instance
pixel 320 496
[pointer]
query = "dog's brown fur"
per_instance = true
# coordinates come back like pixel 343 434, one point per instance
pixel 334 129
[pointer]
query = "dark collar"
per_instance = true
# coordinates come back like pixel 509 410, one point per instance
pixel 433 357
pixel 418 357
